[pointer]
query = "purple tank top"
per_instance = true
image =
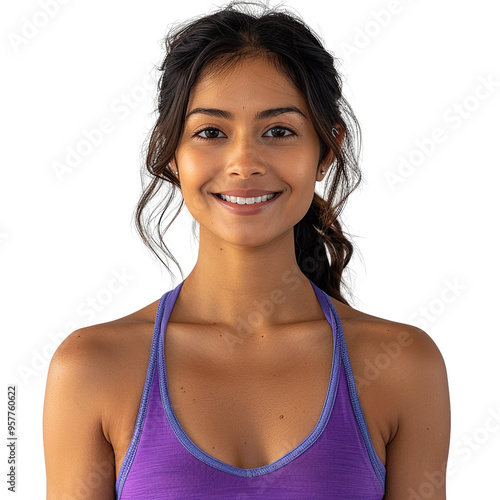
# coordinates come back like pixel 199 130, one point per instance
pixel 336 461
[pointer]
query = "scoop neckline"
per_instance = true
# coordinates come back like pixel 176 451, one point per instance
pixel 311 438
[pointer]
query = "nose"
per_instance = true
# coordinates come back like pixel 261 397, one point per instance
pixel 244 158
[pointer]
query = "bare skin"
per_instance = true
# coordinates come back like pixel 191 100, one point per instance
pixel 228 390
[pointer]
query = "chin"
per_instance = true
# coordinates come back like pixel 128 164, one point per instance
pixel 250 237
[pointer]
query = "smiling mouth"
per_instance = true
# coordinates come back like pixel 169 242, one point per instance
pixel 238 200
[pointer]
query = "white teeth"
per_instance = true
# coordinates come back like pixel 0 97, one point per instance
pixel 247 201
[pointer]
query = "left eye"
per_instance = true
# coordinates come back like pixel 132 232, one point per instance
pixel 211 133
pixel 278 132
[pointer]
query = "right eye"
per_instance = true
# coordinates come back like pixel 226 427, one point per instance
pixel 210 133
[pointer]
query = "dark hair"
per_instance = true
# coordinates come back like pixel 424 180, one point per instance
pixel 238 30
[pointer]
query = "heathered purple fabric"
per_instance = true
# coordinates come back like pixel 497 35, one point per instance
pixel 336 461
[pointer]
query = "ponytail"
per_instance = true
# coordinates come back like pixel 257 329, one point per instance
pixel 321 249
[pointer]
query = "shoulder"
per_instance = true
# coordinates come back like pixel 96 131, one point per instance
pixel 89 386
pixel 385 342
pixel 92 356
pixel 402 384
pixel 392 361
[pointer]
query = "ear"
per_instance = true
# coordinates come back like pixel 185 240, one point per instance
pixel 329 156
pixel 324 164
pixel 173 166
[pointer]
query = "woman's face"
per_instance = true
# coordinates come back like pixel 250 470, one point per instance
pixel 247 129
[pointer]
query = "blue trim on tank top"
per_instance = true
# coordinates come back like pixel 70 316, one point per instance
pixel 339 352
pixel 298 450
pixel 134 442
pixel 377 464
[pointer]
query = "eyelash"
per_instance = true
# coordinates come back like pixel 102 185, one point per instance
pixel 287 129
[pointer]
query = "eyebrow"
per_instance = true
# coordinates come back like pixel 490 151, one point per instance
pixel 267 113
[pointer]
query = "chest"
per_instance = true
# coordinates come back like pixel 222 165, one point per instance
pixel 248 403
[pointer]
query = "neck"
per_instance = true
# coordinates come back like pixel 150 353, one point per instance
pixel 248 289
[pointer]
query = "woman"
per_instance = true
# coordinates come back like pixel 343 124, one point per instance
pixel 252 378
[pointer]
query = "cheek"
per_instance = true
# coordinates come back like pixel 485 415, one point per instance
pixel 196 174
pixel 201 161
pixel 195 168
pixel 300 172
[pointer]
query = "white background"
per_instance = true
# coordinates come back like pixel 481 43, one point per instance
pixel 429 243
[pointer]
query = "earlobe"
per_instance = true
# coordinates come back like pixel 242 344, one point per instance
pixel 324 165
pixel 321 174
pixel 173 167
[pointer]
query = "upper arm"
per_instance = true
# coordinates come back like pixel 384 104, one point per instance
pixel 418 452
pixel 79 460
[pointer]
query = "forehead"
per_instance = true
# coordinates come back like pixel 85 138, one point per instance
pixel 250 81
